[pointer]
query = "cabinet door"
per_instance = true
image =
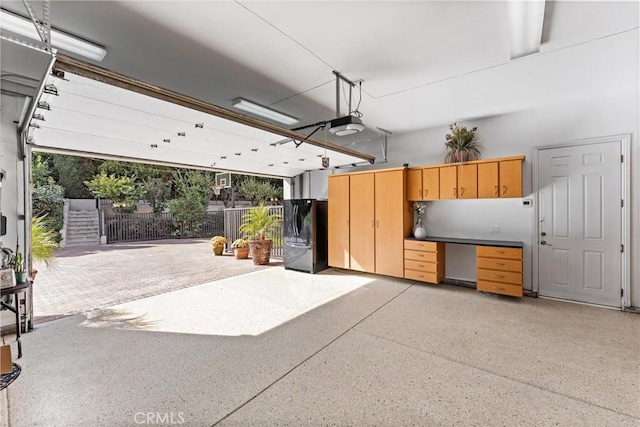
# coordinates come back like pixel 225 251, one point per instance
pixel 362 222
pixel 414 184
pixel 430 184
pixel 468 181
pixel 338 218
pixel 511 178
pixel 448 182
pixel 488 180
pixel 389 208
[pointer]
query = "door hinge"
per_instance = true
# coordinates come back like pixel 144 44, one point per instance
pixel 621 158
pixel 621 248
pixel 622 203
pixel 621 292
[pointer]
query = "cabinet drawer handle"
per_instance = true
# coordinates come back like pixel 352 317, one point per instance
pixel 455 192
pixel 499 252
pixel 462 191
pixel 498 276
pixel 426 192
pixel 504 189
pixel 498 263
pixel 496 191
pixel 498 288
pixel 420 255
pixel 377 224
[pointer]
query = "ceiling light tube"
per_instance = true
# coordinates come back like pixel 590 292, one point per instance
pixel 24 27
pixel 251 107
pixel 525 19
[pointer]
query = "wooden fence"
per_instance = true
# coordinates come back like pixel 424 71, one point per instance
pixel 153 226
pixel 233 219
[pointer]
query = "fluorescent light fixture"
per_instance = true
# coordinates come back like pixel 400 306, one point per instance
pixel 252 107
pixel 525 18
pixel 24 27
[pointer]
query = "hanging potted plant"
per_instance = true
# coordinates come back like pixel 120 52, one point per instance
pixel 258 226
pixel 462 144
pixel 240 248
pixel 217 244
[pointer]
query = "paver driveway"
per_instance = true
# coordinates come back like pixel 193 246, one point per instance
pixel 86 278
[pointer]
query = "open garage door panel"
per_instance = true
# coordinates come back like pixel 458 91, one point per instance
pixel 86 110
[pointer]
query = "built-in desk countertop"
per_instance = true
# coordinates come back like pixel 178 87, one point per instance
pixel 476 242
pixel 498 262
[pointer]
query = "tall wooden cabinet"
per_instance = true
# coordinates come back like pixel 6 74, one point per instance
pixel 362 222
pixel 338 218
pixel 390 223
pixel 377 219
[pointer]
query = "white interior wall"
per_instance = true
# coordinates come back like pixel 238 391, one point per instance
pixel 510 135
pixel 12 192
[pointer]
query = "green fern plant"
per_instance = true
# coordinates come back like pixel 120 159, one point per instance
pixel 43 241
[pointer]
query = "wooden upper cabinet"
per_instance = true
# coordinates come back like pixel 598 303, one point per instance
pixel 430 183
pixel 362 222
pixel 389 233
pixel 468 181
pixel 338 219
pixel 488 183
pixel 511 178
pixel 414 184
pixel 448 182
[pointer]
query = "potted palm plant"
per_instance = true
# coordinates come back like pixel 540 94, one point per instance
pixel 258 226
pixel 240 248
pixel 18 268
pixel 462 144
pixel 43 243
pixel 217 244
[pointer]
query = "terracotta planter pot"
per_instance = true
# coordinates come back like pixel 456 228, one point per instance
pixel 260 251
pixel 217 250
pixel 241 253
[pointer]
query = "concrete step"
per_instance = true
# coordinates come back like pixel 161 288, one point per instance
pixel 82 226
pixel 82 233
pixel 82 243
pixel 83 213
pixel 76 236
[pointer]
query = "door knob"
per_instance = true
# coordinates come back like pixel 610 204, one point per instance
pixel 544 243
pixel 543 233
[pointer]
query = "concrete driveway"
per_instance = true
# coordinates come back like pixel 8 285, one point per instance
pixel 87 278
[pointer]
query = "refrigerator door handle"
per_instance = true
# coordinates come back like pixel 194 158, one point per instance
pixel 295 221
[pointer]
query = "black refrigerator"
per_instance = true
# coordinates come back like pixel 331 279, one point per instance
pixel 305 235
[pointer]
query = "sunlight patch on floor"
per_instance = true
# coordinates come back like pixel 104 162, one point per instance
pixel 250 304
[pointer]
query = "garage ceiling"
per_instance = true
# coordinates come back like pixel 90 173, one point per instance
pixel 424 64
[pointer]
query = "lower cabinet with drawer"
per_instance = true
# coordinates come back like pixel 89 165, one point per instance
pixel 424 261
pixel 499 270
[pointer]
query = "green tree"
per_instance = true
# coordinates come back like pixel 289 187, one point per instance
pixel 157 193
pixel 70 172
pixel 194 189
pixel 41 169
pixel 258 190
pixel 48 200
pixel 123 191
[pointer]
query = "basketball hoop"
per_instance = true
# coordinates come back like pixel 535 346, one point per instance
pixel 217 188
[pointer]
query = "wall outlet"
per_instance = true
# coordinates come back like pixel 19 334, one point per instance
pixel 494 229
pixel 527 203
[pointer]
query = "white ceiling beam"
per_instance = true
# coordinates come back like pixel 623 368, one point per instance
pixel 525 19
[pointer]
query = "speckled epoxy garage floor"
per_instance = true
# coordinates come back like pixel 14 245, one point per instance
pixel 276 347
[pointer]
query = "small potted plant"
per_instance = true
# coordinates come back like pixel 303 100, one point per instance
pixel 18 268
pixel 240 248
pixel 217 243
pixel 258 226
pixel 462 144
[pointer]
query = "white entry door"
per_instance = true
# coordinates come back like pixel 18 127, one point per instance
pixel 580 229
